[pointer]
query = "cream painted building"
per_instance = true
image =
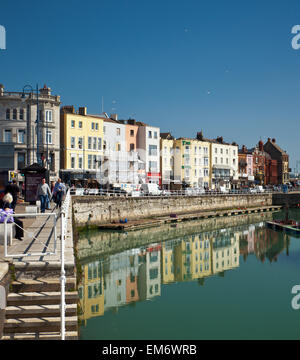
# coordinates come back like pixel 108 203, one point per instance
pixel 192 162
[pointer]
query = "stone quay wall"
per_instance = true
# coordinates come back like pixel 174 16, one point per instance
pixel 95 210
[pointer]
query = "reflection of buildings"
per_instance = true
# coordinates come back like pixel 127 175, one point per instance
pixel 137 274
pixel 225 250
pixel 192 257
pixel 264 243
pixel 149 282
pixel 91 292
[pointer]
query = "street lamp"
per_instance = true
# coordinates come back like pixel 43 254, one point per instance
pixel 31 91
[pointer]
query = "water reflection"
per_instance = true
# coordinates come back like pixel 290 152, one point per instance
pixel 114 280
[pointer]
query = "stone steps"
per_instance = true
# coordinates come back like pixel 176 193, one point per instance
pixel 69 335
pixel 42 284
pixel 28 311
pixel 40 298
pixel 39 324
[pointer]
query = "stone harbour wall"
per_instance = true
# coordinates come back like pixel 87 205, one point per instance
pixel 95 210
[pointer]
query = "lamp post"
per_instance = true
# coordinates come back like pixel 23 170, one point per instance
pixel 31 91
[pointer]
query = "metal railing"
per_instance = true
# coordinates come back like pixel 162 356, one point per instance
pixel 186 192
pixel 64 223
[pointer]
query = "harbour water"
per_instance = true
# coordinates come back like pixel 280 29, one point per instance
pixel 221 278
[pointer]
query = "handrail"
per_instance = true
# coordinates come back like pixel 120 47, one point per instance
pixel 64 222
pixel 186 192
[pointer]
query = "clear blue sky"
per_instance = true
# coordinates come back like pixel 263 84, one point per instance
pixel 226 67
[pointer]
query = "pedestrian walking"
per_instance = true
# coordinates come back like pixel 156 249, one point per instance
pixel 43 194
pixel 59 191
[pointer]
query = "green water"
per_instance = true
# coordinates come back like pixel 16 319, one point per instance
pixel 225 283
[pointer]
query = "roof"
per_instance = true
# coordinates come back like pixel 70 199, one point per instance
pixel 167 136
pixel 277 147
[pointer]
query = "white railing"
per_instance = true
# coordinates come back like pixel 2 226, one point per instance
pixel 187 192
pixel 64 223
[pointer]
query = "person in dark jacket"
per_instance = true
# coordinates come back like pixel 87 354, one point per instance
pixel 14 190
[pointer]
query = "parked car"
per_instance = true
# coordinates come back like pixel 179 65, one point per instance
pixel 150 189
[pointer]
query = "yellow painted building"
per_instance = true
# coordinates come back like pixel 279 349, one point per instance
pixel 193 258
pixel 81 142
pixel 167 263
pixel 91 291
pixel 166 159
pixel 192 163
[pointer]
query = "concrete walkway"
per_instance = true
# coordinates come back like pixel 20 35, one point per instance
pixel 39 237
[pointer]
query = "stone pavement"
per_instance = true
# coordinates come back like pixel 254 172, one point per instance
pixel 40 236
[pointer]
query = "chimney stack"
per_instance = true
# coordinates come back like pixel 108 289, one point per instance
pixel 83 111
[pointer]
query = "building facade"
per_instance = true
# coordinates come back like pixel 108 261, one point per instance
pixel 30 121
pixel 224 162
pixel 149 151
pixel 282 158
pixel 192 165
pixel 81 144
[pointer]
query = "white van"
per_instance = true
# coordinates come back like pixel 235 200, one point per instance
pixel 150 189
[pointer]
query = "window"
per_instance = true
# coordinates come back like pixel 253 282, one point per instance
pixel 118 131
pixel 48 137
pixel 72 124
pixel 7 114
pixel 89 143
pixel 15 114
pixel 93 126
pixel 7 136
pixel 21 136
pixel 72 142
pixel 152 166
pixel 80 124
pixel 96 126
pixel 216 150
pixel 104 129
pixel 152 150
pixel 155 134
pixel 94 162
pixel 48 116
pixel 94 143
pixel 80 162
pixel 150 134
pixel 118 147
pixel 80 143
pixel 22 114
pixel 131 147
pixel 216 160
pixel 99 143
pixel 72 161
pixel 21 161
pixel 131 132
pixel 89 161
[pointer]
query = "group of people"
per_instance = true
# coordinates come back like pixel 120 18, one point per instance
pixel 44 194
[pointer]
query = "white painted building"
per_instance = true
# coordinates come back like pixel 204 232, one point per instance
pixel 149 151
pixel 224 160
